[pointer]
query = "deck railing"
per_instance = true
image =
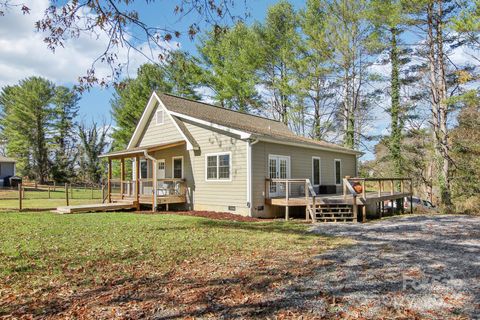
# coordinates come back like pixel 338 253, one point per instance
pixel 378 185
pixel 292 188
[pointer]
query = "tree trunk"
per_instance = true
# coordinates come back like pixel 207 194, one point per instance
pixel 438 98
pixel 396 129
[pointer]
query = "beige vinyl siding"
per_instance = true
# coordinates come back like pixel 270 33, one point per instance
pixel 301 167
pixel 218 195
pixel 162 133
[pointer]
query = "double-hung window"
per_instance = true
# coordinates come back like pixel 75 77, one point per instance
pixel 218 167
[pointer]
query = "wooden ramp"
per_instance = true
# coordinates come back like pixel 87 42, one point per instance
pixel 123 205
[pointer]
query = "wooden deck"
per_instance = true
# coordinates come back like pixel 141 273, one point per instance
pixel 336 207
pixel 84 208
pixel 371 197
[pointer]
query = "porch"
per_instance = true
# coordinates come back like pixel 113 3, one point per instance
pixel 141 177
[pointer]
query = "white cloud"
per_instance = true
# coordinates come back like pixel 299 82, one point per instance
pixel 23 52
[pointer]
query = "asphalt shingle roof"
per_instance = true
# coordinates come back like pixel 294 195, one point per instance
pixel 256 125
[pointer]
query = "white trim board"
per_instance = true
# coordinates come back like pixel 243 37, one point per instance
pixel 242 134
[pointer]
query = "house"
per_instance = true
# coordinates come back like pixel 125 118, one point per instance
pixel 7 169
pixel 199 156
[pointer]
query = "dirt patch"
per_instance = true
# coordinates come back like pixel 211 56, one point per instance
pixel 210 215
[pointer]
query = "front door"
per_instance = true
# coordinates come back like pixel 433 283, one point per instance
pixel 161 186
pixel 161 169
pixel 278 168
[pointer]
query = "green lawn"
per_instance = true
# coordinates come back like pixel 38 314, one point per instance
pixel 45 257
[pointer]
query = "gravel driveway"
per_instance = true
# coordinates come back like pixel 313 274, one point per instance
pixel 413 266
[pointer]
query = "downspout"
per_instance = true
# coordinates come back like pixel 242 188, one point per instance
pixel 250 143
pixel 154 183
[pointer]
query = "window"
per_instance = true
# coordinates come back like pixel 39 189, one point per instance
pixel 143 169
pixel 178 167
pixel 159 117
pixel 338 171
pixel 316 171
pixel 161 165
pixel 218 166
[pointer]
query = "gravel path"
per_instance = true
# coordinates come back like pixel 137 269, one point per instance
pixel 414 266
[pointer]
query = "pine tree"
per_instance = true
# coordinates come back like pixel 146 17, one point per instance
pixel 28 115
pixel 348 33
pixel 232 61
pixel 65 111
pixel 389 19
pixel 279 39
pixel 314 68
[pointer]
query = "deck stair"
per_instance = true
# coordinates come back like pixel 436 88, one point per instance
pixel 333 212
pixel 84 208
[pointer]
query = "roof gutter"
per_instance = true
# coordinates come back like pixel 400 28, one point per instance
pixel 306 145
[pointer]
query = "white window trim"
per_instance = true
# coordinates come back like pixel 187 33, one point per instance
pixel 335 171
pixel 156 116
pixel 319 171
pixel 173 167
pixel 218 166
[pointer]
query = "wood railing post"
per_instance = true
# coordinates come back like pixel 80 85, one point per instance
pixel 287 199
pixel 392 185
pixel 66 194
pixel 137 182
pixel 122 176
pixel 109 181
pixel 354 208
pixel 48 192
pixel 379 188
pixel 20 187
pixel 307 215
pixel 364 191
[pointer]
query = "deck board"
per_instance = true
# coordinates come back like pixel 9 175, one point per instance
pixel 84 208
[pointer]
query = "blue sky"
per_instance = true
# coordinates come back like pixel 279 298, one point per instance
pixel 96 103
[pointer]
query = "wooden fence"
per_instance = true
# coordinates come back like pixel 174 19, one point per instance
pixel 33 196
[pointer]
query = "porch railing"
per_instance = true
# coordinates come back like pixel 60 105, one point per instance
pixel 165 187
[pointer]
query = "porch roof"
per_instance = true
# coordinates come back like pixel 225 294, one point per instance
pixel 140 151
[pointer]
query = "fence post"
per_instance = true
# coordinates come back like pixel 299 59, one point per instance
pixel 48 192
pixel 66 193
pixel 92 190
pixel 20 196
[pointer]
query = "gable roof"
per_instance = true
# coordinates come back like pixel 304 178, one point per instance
pixel 7 159
pixel 261 127
pixel 245 125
